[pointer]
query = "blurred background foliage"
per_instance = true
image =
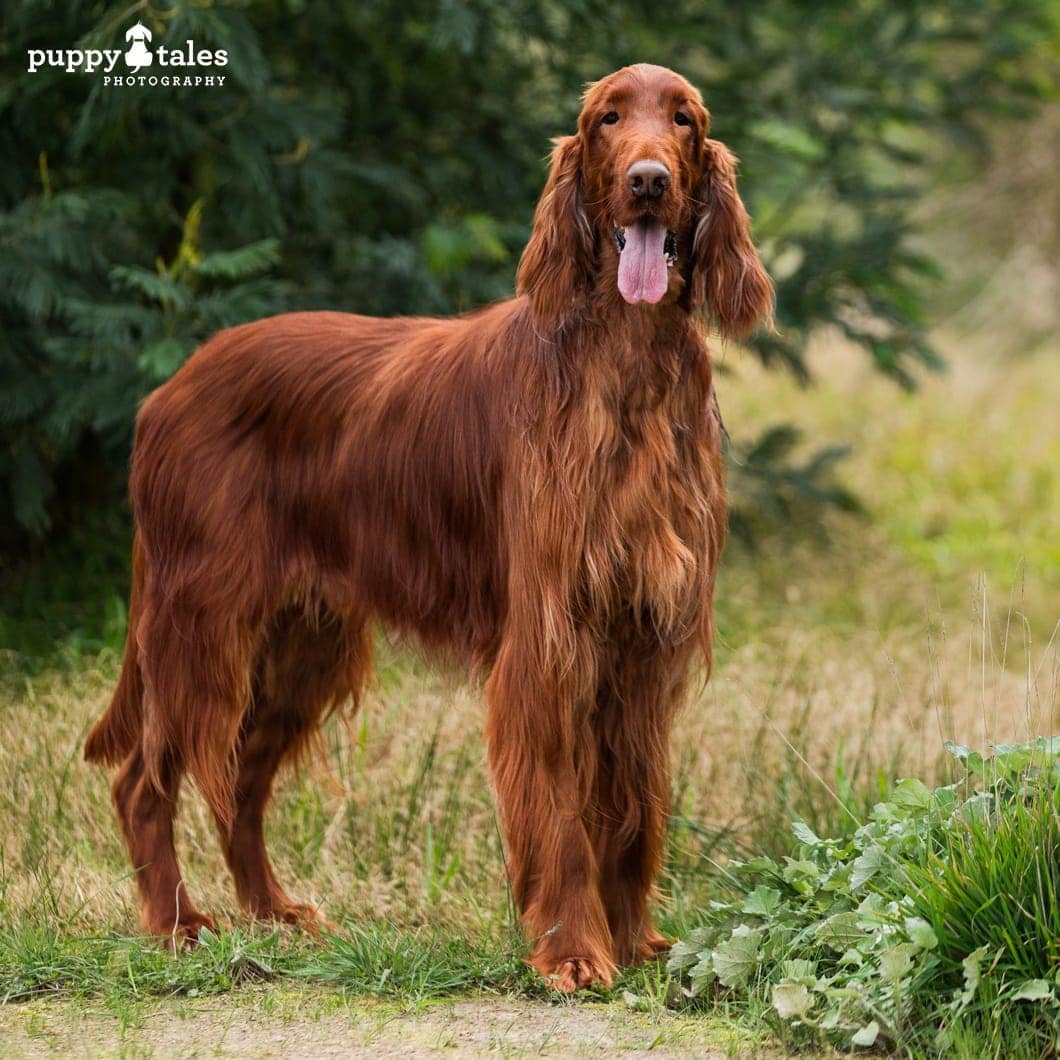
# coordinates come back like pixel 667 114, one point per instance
pixel 384 157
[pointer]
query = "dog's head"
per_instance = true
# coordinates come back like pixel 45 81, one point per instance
pixel 642 199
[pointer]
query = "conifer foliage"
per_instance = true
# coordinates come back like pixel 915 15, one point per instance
pixel 384 157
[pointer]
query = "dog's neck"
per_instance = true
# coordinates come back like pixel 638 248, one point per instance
pixel 631 357
pixel 638 328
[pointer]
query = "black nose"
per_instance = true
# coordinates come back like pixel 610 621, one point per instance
pixel 648 179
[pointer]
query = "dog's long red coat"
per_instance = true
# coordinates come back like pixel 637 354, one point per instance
pixel 536 487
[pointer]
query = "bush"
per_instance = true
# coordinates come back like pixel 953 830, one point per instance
pixel 934 926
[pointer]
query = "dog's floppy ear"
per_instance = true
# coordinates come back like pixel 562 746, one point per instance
pixel 728 280
pixel 556 267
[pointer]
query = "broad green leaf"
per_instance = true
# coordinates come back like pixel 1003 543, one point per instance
pixel 912 794
pixel 852 958
pixel 921 932
pixel 872 906
pixel 682 956
pixel 635 1002
pixel 867 1035
pixel 897 961
pixel 703 974
pixel 972 974
pixel 866 865
pixel 1033 990
pixel 693 949
pixel 700 938
pixel 978 808
pixel 1015 756
pixel 830 1020
pixel 762 901
pixel 805 834
pixel 796 871
pixel 1049 744
pixel 840 932
pixel 737 957
pixel 973 760
pixel 792 999
pixel 760 866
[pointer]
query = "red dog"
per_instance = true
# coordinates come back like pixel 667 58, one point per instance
pixel 536 486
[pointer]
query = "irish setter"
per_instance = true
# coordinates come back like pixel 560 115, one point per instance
pixel 536 487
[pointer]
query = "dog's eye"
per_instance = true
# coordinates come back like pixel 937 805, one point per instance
pixel 610 118
pixel 681 118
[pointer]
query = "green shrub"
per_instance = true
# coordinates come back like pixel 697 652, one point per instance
pixel 934 927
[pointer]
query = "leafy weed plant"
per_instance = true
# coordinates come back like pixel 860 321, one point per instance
pixel 934 928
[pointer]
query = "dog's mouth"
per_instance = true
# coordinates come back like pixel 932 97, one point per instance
pixel 646 249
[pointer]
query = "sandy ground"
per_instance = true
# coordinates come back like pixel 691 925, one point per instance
pixel 313 1025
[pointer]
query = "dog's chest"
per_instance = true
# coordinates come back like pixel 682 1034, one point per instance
pixel 649 542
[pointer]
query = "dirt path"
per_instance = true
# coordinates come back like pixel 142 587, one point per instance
pixel 306 1024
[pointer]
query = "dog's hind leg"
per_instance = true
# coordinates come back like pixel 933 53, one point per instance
pixel 146 806
pixel 304 669
pixel 145 800
pixel 196 680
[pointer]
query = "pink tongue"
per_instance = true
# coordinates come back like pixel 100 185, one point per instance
pixel 642 263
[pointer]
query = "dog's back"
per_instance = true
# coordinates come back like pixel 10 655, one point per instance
pixel 346 460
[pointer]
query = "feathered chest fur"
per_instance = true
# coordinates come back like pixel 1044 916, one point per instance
pixel 627 495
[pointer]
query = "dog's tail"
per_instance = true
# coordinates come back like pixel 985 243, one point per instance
pixel 118 730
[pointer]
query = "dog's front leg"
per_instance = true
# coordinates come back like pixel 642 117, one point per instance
pixel 542 757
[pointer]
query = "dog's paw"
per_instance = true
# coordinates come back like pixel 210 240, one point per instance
pixel 184 933
pixel 574 973
pixel 305 917
pixel 651 947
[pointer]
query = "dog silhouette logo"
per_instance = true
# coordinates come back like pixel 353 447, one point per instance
pixel 138 55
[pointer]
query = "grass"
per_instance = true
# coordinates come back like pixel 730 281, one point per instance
pixel 40 959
